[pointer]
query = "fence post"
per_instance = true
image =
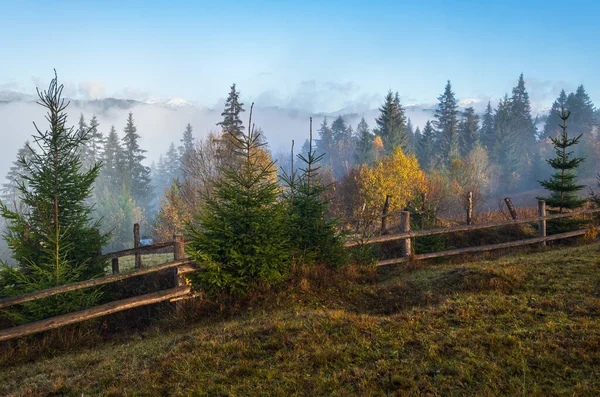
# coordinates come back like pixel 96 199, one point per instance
pixel 470 208
pixel 115 265
pixel 542 222
pixel 511 208
pixel 405 227
pixel 137 244
pixel 362 211
pixel 386 207
pixel 178 254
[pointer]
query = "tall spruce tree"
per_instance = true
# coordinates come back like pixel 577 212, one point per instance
pixel 325 144
pixel 364 146
pixel 136 175
pixel 446 125
pixel 504 152
pixel 232 126
pixel 391 123
pixel 187 149
pixel 411 146
pixel 486 134
pixel 468 128
pixel 427 146
pixel 343 146
pixel 523 128
pixel 111 173
pixel 582 120
pixel 562 184
pixel 553 122
pixel 54 242
pixel 92 152
pixel 16 177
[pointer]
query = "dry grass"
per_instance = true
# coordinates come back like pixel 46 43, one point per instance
pixel 527 324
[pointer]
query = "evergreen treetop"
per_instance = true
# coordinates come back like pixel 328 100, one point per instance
pixel 486 134
pixel 427 146
pixel 137 176
pixel 391 123
pixel 468 131
pixel 364 146
pixel 446 124
pixel 553 122
pixel 232 125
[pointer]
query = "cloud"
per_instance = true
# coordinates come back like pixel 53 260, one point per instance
pixel 9 86
pixel 546 89
pixel 317 96
pixel 132 93
pixel 92 89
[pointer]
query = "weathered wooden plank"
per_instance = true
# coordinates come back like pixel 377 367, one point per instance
pixel 157 248
pixel 137 244
pixel 98 311
pixel 32 296
pixel 484 248
pixel 464 228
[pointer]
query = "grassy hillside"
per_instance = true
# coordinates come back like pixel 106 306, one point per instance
pixel 528 324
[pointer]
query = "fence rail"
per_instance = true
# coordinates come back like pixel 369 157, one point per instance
pixel 180 266
pixel 95 282
pixel 463 228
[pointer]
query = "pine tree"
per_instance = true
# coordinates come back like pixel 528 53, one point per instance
pixel 562 185
pixel 486 134
pixel 187 149
pixel 342 146
pixel 582 120
pixel 468 129
pixel 504 152
pixel 111 173
pixel 446 125
pixel 16 177
pixel 427 146
pixel 553 122
pixel 325 143
pixel 240 237
pixel 172 163
pixel 92 152
pixel 136 175
pixel 364 145
pixel 391 123
pixel 54 242
pixel 523 129
pixel 410 138
pixel 232 126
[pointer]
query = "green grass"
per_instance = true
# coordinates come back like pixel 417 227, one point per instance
pixel 526 324
pixel 127 263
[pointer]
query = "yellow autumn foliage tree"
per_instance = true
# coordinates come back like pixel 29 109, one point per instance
pixel 397 175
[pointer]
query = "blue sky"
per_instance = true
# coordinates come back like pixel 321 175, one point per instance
pixel 316 55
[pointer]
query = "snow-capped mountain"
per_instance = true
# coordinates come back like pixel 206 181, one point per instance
pixel 13 96
pixel 171 103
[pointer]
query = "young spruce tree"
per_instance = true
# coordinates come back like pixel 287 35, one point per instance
pixel 562 185
pixel 313 237
pixel 240 235
pixel 54 241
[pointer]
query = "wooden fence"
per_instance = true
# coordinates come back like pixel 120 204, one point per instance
pixel 406 234
pixel 182 265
